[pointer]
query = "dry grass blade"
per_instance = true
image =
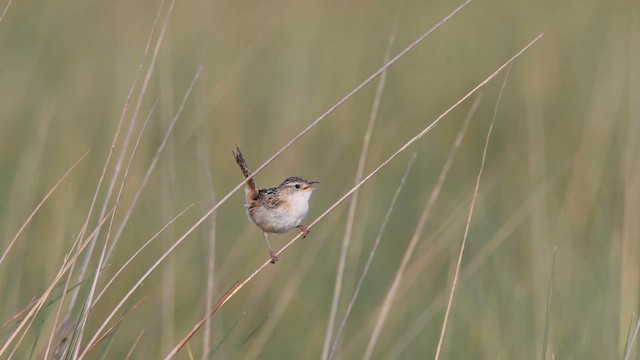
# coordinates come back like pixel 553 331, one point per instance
pixel 41 301
pixel 6 8
pixel 103 258
pixel 478 259
pixel 154 162
pixel 372 253
pixel 548 312
pixel 134 255
pixel 33 213
pixel 19 314
pixel 468 224
pixel 213 310
pixel 346 239
pixel 84 316
pixel 114 327
pixel 628 338
pixel 67 282
pixel 206 183
pixel 129 293
pixel 134 345
pixel 393 289
pixel 151 167
pixel 127 215
pixel 85 264
pixel 632 343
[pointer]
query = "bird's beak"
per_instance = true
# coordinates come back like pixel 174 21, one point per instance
pixel 311 185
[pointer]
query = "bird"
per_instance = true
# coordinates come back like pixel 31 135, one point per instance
pixel 278 209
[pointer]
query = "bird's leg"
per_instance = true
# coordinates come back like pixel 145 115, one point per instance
pixel 304 229
pixel 273 255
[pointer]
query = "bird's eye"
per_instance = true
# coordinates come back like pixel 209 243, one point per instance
pixel 297 186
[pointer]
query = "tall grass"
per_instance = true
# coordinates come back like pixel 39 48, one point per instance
pixel 124 235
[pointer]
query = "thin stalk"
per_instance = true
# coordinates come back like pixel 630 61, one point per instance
pixel 6 8
pixel 468 225
pixel 548 314
pixel 37 208
pixel 417 235
pixel 632 343
pixel 346 239
pixel 156 158
pixel 125 109
pixel 28 319
pixel 372 253
pixel 206 181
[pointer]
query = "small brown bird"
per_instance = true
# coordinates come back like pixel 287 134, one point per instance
pixel 279 209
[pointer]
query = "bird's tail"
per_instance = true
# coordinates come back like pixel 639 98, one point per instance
pixel 250 188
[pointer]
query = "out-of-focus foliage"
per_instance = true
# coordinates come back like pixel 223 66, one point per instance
pixel 562 171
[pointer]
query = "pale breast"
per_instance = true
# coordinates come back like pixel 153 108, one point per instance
pixel 275 220
pixel 280 219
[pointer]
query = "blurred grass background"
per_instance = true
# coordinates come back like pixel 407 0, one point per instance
pixel 562 171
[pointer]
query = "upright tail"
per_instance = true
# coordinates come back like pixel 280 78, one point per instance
pixel 250 189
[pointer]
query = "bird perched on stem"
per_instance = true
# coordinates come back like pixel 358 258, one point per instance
pixel 279 209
